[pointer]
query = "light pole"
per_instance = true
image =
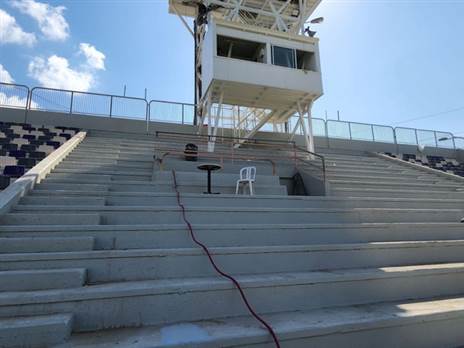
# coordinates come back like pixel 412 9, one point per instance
pixel 451 138
pixel 308 31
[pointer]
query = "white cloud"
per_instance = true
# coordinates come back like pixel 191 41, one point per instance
pixel 5 75
pixel 95 58
pixel 56 73
pixel 49 18
pixel 11 32
pixel 15 101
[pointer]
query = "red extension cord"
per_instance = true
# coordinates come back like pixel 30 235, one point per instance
pixel 218 270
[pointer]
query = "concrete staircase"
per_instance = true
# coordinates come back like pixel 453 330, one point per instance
pixel 97 255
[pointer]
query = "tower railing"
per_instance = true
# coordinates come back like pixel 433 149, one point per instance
pixel 116 106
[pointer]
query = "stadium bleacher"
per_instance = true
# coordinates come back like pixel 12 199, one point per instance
pixel 23 145
pixel 448 165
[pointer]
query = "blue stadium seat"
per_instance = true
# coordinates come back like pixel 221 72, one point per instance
pixel 4 182
pixel 17 154
pixel 29 136
pixel 65 135
pixel 28 147
pixel 10 147
pixel 27 162
pixel 14 171
pixel 37 155
pixel 55 144
pixel 36 142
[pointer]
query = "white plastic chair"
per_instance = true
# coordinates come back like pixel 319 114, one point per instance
pixel 247 177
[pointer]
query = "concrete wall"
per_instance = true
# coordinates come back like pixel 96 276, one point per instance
pixel 140 127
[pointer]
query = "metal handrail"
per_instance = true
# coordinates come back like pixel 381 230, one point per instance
pixel 322 158
pixel 220 156
pixel 212 137
pixel 147 114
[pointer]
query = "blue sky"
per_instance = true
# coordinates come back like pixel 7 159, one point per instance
pixel 383 62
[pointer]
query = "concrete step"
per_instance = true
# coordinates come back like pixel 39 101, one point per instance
pixel 263 168
pixel 50 219
pixel 112 165
pixel 85 159
pixel 220 235
pixel 132 304
pixel 414 324
pixel 365 165
pixel 124 215
pixel 199 200
pixel 41 279
pixel 140 186
pixel 120 150
pixel 395 193
pixel 217 178
pixel 43 197
pixel 132 172
pixel 153 236
pixel 425 179
pixel 36 331
pixel 132 265
pixel 93 178
pixel 334 184
pixel 332 172
pixel 368 170
pixel 41 244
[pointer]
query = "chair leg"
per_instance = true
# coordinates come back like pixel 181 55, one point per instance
pixel 251 188
pixel 237 188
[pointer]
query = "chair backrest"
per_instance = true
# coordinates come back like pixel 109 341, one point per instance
pixel 248 173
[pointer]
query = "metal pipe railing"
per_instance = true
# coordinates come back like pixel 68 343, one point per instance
pixel 89 103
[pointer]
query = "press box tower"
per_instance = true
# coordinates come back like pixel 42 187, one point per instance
pixel 254 64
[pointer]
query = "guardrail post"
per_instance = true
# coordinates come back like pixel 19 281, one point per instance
pixel 436 139
pixel 349 128
pixel 71 105
pixel 111 106
pixel 417 138
pixel 372 130
pixel 147 116
pixel 182 113
pixel 28 103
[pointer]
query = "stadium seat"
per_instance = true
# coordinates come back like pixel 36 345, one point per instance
pixel 10 147
pixel 17 154
pixel 29 136
pixel 14 171
pixel 37 155
pixel 55 144
pixel 27 162
pixel 4 182
pixel 28 147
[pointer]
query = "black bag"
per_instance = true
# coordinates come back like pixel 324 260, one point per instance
pixel 191 152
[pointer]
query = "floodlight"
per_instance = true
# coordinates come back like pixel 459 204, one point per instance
pixel 317 20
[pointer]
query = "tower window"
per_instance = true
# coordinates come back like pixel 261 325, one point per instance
pixel 241 49
pixel 282 56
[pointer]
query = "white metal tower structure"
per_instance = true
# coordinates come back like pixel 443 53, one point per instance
pixel 254 65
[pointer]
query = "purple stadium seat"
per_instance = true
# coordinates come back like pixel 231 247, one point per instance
pixel 55 144
pixel 14 171
pixel 29 136
pixel 17 154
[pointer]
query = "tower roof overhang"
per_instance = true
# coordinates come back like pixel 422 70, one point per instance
pixel 269 14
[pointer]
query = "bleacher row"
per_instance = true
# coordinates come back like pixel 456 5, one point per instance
pixel 447 165
pixel 23 145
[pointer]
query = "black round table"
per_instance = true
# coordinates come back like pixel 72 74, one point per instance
pixel 209 167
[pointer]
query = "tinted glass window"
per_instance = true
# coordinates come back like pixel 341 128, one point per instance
pixel 283 57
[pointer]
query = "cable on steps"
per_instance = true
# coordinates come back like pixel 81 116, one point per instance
pixel 216 267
